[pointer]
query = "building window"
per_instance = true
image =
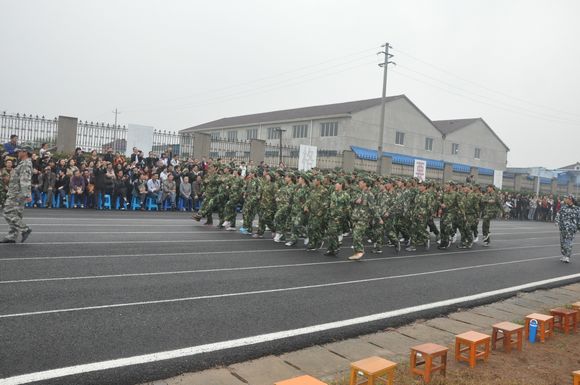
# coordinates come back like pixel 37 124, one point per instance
pixel 300 131
pixel 215 136
pixel 428 144
pixel 454 148
pixel 273 132
pixel 477 154
pixel 252 133
pixel 400 138
pixel 232 136
pixel 329 129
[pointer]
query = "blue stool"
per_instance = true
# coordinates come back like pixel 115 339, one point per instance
pixel 107 202
pixel 151 204
pixel 43 198
pixel 180 203
pixel 197 205
pixel 135 204
pixel 65 201
pixel 167 204
pixel 120 203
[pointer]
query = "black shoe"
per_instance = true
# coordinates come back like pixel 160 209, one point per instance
pixel 330 254
pixel 8 241
pixel 25 235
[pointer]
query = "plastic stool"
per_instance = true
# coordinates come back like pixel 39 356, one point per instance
pixel 151 204
pixel 576 306
pixel 135 204
pixel 373 369
pixel 576 375
pixel 107 202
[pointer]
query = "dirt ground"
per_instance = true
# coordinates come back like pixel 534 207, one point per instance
pixel 551 363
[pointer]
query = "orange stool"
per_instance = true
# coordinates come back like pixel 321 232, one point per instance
pixel 576 306
pixel 473 341
pixel 428 352
pixel 374 369
pixel 545 325
pixel 565 320
pixel 576 375
pixel 302 380
pixel 507 330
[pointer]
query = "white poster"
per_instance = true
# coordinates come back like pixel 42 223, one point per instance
pixel 420 170
pixel 141 137
pixel 307 157
pixel 498 178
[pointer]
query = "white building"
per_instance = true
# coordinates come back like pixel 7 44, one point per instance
pixel 355 125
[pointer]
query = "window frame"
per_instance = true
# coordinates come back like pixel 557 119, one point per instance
pixel 254 132
pixel 274 133
pixel 455 148
pixel 235 137
pixel 328 129
pixel 477 153
pixel 430 141
pixel 399 134
pixel 300 131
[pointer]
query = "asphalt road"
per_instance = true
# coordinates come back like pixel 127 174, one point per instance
pixel 130 297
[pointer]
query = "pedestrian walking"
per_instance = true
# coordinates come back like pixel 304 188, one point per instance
pixel 568 221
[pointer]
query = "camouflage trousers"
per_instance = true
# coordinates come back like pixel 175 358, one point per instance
pixel 249 213
pixel 333 230
pixel 446 229
pixel 432 226
pixel 207 208
pixel 13 215
pixel 230 210
pixel 265 218
pixel 282 219
pixel 418 231
pixel 486 224
pixel 387 229
pixel 360 230
pixel 566 241
pixel 316 229
pixel 403 226
pixel 299 220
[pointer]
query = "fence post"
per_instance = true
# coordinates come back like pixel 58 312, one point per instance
pixel 554 186
pixel 67 134
pixel 518 179
pixel 348 161
pixel 386 165
pixel 257 150
pixel 447 172
pixel 201 143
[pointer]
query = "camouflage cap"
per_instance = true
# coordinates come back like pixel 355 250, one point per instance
pixel 28 149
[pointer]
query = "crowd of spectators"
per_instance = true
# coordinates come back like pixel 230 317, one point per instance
pixel 531 207
pixel 82 180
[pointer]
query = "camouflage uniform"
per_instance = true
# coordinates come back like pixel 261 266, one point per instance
pixel 363 215
pixel 433 199
pixel 337 215
pixel 491 207
pixel 472 211
pixel 299 217
pixel 568 220
pixel 4 181
pixel 317 206
pixel 209 205
pixel 19 189
pixel 420 214
pixel 236 190
pixel 266 206
pixel 223 196
pixel 251 199
pixel 282 219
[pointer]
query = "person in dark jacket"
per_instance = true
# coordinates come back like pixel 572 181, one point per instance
pixel 48 185
pixel 99 174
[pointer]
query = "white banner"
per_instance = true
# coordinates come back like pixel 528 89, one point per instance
pixel 498 179
pixel 420 170
pixel 141 137
pixel 307 157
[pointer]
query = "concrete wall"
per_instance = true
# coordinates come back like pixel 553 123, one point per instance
pixel 493 153
pixel 67 134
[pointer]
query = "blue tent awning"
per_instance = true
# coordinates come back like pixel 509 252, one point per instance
pixel 462 168
pixel 486 171
pixel 406 160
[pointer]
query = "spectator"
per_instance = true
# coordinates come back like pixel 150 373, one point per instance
pixel 169 190
pixel 196 187
pixel 63 185
pixel 154 188
pixel 36 187
pixel 140 190
pixel 12 145
pixel 77 189
pixel 109 156
pixel 185 193
pixel 121 190
pixel 109 186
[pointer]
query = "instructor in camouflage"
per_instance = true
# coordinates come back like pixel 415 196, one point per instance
pixel 19 193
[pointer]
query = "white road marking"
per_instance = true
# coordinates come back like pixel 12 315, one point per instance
pixel 458 251
pixel 243 268
pixel 101 242
pixel 254 340
pixel 269 291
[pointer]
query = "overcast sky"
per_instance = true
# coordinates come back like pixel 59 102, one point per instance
pixel 174 64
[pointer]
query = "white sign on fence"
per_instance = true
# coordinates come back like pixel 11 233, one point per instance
pixel 498 178
pixel 141 137
pixel 420 170
pixel 307 157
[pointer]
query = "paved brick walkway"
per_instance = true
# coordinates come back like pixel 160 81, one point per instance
pixel 330 362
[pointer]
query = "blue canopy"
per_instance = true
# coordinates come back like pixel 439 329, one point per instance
pixel 368 154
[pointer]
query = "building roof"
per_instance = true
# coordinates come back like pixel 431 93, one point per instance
pixel 450 126
pixel 570 167
pixel 336 109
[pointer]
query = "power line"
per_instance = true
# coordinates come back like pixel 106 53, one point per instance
pixel 485 87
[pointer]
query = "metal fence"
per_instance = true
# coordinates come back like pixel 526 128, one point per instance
pixel 100 136
pixel 31 130
pixel 231 150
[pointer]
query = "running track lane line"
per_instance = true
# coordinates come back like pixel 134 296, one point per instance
pixel 268 291
pixel 459 251
pixel 218 346
pixel 227 269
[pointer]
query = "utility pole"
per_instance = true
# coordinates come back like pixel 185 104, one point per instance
pixel 385 65
pixel 116 112
pixel 280 131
